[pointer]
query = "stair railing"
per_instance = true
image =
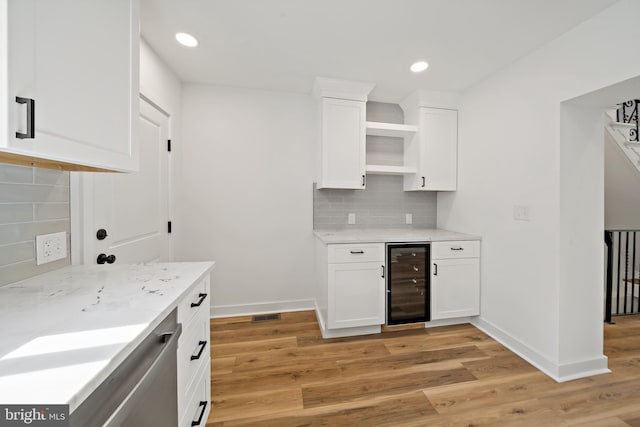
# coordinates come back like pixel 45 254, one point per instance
pixel 622 273
pixel 627 112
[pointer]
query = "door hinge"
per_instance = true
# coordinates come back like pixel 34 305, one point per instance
pixel 169 227
pixel 169 145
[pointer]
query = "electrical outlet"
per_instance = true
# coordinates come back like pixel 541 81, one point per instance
pixel 409 219
pixel 351 218
pixel 51 247
pixel 521 213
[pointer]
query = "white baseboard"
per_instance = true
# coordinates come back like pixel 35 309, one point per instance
pixel 559 373
pixel 261 308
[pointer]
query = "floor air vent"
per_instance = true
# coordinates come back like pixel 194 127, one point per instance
pixel 266 317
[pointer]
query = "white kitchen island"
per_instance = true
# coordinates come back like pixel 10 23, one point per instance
pixel 64 332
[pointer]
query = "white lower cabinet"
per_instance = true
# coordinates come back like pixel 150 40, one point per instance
pixel 356 294
pixel 455 279
pixel 194 357
pixel 350 297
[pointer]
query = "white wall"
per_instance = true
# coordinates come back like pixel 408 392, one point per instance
pixel 621 189
pixel 518 145
pixel 245 199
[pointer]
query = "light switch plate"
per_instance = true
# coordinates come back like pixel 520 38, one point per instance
pixel 521 213
pixel 51 247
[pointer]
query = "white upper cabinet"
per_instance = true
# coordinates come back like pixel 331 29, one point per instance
pixel 433 151
pixel 73 67
pixel 342 133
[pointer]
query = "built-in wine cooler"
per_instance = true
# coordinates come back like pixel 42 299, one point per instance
pixel 408 288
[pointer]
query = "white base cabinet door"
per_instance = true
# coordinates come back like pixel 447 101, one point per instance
pixel 356 294
pixel 71 80
pixel 455 288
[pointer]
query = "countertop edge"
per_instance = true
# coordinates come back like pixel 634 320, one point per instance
pixel 390 236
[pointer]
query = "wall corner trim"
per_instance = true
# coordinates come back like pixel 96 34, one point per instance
pixel 560 373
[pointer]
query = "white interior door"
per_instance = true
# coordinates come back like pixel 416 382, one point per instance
pixel 133 208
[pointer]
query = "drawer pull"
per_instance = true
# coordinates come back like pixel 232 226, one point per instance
pixel 357 252
pixel 197 304
pixel 457 249
pixel 203 404
pixel 202 345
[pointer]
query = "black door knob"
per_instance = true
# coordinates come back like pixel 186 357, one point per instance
pixel 104 258
pixel 101 234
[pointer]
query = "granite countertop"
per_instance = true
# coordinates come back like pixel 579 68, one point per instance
pixel 395 235
pixel 64 332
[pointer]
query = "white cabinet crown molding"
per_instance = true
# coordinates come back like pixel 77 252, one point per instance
pixel 432 99
pixel 324 87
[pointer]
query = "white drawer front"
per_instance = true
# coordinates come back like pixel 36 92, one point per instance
pixel 199 404
pixel 194 349
pixel 455 249
pixel 196 298
pixel 367 252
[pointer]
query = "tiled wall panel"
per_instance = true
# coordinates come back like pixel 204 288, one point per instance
pixel 32 202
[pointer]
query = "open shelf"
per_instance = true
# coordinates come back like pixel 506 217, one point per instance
pixel 390 129
pixel 389 170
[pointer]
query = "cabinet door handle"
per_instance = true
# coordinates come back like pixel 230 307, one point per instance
pixel 202 345
pixel 435 269
pixel 457 249
pixel 31 111
pixel 423 182
pixel 357 252
pixel 197 304
pixel 382 271
pixel 364 180
pixel 202 404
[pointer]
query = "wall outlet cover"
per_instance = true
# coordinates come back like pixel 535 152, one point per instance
pixel 51 247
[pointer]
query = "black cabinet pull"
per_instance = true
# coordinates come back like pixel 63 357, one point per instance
pixel 197 304
pixel 203 404
pixel 357 252
pixel 202 345
pixel 31 118
pixel 435 269
pixel 457 249
pixel 382 271
pixel 423 182
pixel 364 180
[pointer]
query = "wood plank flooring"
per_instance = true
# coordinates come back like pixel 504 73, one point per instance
pixel 282 373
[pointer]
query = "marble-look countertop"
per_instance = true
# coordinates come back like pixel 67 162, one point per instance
pixel 62 333
pixel 391 235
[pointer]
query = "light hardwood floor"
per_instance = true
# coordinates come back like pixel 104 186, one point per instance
pixel 282 373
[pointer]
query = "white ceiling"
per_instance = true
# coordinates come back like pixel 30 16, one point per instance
pixel 283 44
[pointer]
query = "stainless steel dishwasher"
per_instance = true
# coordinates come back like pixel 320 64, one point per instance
pixel 142 391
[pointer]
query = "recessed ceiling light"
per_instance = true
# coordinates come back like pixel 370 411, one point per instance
pixel 419 66
pixel 186 39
